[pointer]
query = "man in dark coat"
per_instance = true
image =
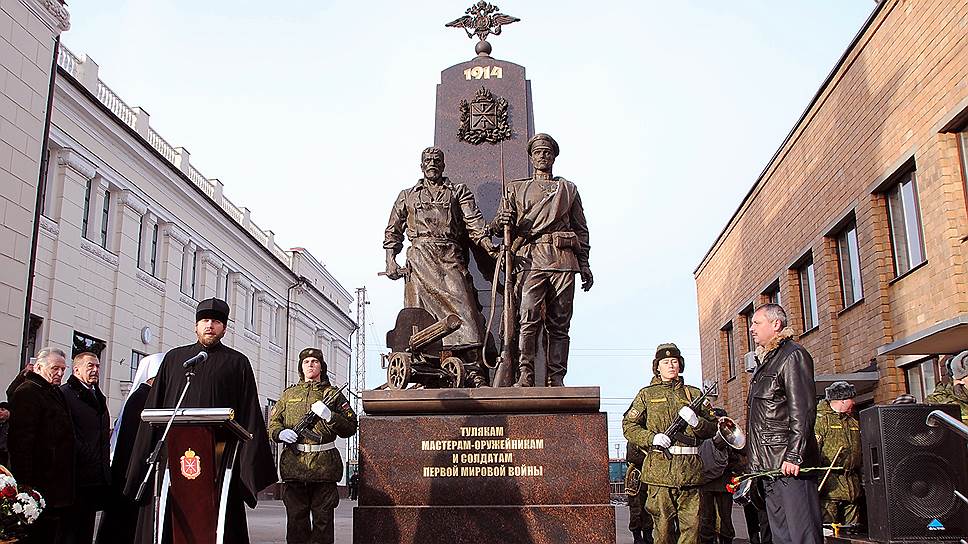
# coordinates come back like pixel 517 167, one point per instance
pixel 92 435
pixel 780 428
pixel 225 380
pixel 42 444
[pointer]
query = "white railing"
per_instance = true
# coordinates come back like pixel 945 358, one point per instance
pixel 162 146
pixel 68 61
pixel 71 64
pixel 233 210
pixel 282 254
pixel 202 183
pixel 115 104
pixel 262 237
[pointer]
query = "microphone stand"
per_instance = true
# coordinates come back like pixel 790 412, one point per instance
pixel 154 460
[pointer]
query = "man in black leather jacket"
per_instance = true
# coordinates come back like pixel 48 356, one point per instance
pixel 780 427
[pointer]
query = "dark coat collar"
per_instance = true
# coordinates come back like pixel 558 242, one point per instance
pixel 91 396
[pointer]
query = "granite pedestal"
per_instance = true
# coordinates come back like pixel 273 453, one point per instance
pixel 484 465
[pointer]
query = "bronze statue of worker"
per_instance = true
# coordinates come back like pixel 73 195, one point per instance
pixel 550 245
pixel 441 219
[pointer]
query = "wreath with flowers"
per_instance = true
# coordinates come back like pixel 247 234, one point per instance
pixel 20 506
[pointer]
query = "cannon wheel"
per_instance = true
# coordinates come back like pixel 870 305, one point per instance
pixel 399 371
pixel 455 367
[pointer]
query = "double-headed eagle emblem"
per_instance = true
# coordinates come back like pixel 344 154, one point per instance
pixel 482 20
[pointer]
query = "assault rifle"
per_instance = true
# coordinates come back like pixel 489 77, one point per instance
pixel 308 422
pixel 679 425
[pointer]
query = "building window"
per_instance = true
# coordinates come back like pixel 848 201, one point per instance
pixel 277 323
pixel 225 286
pixel 153 257
pixel 730 342
pixel 87 209
pixel 105 215
pixel 848 257
pixel 772 293
pixel 189 258
pixel 253 303
pixel 748 319
pixel 84 343
pixel 808 295
pixel 193 283
pixel 33 334
pixel 922 377
pixel 136 357
pixel 904 218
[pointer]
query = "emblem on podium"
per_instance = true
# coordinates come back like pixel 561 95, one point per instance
pixel 191 465
pixel 484 119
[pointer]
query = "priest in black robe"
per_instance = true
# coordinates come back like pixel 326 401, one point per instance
pixel 224 380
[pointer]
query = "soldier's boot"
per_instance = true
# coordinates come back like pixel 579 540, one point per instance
pixel 528 348
pixel 557 362
pixel 525 373
pixel 474 375
pixel 637 537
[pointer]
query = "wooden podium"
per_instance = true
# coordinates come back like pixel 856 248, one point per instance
pixel 202 448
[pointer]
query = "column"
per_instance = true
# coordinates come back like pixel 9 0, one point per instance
pixel 174 313
pixel 208 275
pixel 126 321
pixel 74 172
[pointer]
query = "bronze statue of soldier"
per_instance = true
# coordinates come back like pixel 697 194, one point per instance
pixel 550 245
pixel 440 218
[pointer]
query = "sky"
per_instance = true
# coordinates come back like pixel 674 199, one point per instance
pixel 313 115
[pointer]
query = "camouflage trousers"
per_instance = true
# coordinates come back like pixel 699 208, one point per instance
pixel 304 498
pixel 716 525
pixel 675 513
pixel 639 518
pixel 843 512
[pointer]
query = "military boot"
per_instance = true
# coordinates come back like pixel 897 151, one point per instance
pixel 475 375
pixel 557 362
pixel 528 349
pixel 525 373
pixel 637 536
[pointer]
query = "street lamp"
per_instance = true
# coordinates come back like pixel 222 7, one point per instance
pixel 302 280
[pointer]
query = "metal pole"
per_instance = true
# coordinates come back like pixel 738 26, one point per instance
pixel 301 280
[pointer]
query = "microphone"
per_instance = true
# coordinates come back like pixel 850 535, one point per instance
pixel 195 360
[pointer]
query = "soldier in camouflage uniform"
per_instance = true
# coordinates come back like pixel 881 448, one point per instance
pixel 957 391
pixel 673 497
pixel 640 522
pixel 837 428
pixel 310 468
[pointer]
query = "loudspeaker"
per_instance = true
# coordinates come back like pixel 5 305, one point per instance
pixel 911 472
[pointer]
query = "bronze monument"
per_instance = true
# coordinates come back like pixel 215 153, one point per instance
pixel 548 244
pixel 441 220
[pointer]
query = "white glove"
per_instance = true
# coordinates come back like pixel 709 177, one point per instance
pixel 321 410
pixel 663 440
pixel 288 436
pixel 689 416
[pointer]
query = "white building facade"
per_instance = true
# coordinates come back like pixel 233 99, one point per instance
pixel 28 35
pixel 132 237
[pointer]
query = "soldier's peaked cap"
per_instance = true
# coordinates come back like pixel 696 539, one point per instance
pixel 543 140
pixel 840 391
pixel 212 308
pixel 664 351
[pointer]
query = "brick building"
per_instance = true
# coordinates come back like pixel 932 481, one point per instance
pixel 858 224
